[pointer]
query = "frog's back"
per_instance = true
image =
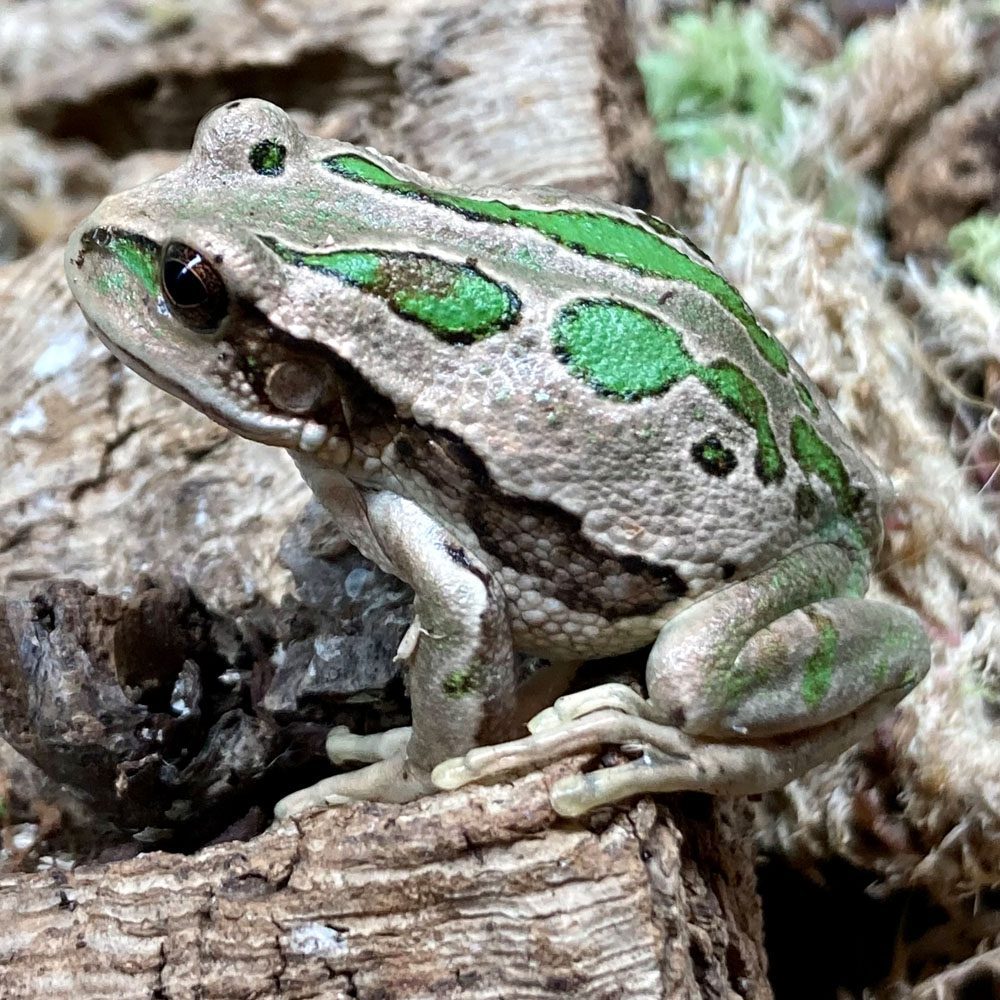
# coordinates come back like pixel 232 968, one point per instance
pixel 611 375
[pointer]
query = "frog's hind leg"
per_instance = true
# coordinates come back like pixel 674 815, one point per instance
pixel 791 691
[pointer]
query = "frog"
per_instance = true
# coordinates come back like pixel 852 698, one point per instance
pixel 556 420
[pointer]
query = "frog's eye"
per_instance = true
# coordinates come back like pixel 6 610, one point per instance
pixel 194 290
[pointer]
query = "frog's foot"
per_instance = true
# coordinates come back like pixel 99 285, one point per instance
pixel 393 779
pixel 345 747
pixel 719 768
pixel 580 703
pixel 670 760
pixel 555 740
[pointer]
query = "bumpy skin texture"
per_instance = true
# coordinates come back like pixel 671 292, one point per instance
pixel 553 418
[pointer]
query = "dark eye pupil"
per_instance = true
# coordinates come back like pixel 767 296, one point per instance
pixel 194 290
pixel 186 287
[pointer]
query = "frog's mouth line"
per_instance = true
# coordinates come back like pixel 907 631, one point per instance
pixel 288 435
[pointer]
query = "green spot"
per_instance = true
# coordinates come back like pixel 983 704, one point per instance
pixel 626 352
pixel 527 258
pixel 599 235
pixel 108 284
pixel 138 254
pixel 713 456
pixel 881 672
pixel 817 671
pixel 816 457
pixel 459 683
pixel 456 302
pixel 806 396
pixel 267 158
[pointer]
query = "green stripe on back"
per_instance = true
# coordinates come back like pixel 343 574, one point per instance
pixel 816 457
pixel 602 236
pixel 456 302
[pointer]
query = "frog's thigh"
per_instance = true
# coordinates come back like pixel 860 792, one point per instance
pixel 763 658
pixel 459 654
pixel 807 668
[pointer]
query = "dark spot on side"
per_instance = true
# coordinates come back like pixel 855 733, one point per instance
pixel 666 296
pixel 806 502
pixel 858 495
pixel 728 570
pixel 457 554
pixel 713 456
pixel 233 104
pixel 665 574
pixel 465 457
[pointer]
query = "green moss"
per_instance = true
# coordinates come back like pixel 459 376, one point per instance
pixel 717 84
pixel 975 248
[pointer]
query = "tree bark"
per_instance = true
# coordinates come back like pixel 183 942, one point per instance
pixel 482 893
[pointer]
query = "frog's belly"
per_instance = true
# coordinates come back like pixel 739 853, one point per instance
pixel 545 626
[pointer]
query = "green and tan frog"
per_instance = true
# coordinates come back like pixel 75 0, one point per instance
pixel 556 421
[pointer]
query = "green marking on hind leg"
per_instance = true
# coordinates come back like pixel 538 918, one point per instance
pixel 817 671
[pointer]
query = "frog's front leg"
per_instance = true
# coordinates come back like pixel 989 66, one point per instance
pixel 459 652
pixel 748 688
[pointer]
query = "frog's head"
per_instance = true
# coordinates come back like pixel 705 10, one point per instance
pixel 176 286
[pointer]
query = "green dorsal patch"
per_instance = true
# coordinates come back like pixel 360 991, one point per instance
pixel 456 302
pixel 625 352
pixel 596 234
pixel 816 457
pixel 138 254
